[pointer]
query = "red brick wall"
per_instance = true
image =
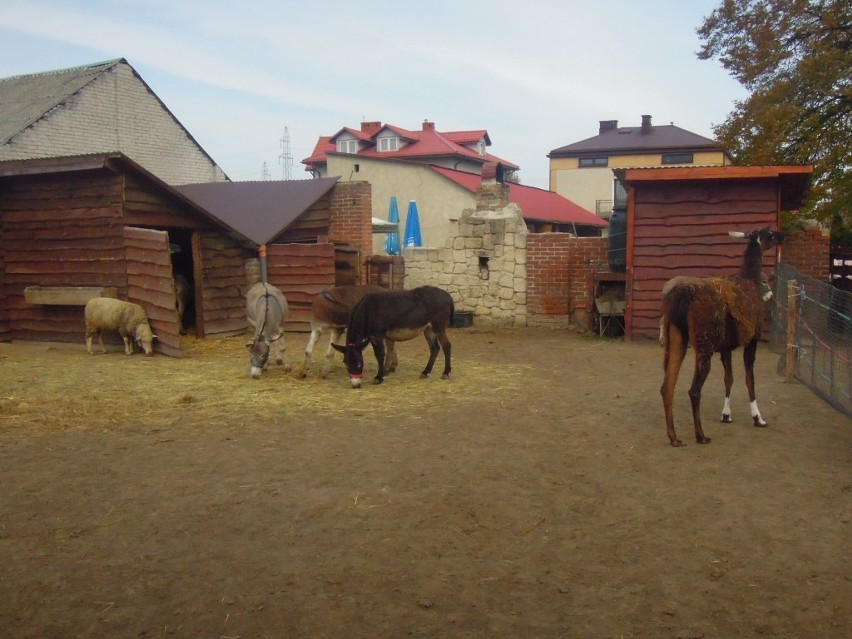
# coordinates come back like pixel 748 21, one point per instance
pixel 351 218
pixel 808 251
pixel 557 264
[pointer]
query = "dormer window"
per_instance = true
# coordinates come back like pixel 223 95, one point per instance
pixel 388 143
pixel 347 146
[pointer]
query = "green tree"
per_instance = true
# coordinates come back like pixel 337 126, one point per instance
pixel 795 58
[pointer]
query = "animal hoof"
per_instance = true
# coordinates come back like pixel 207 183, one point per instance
pixel 703 440
pixel 378 380
pixel 423 376
pixel 677 443
pixel 445 376
pixel 726 419
pixel 760 424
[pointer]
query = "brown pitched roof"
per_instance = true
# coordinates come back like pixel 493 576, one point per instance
pixel 635 139
pixel 261 211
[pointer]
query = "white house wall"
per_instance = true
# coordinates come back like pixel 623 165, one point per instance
pixel 117 112
pixel 439 200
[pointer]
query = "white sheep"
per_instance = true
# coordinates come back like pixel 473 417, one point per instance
pixel 129 319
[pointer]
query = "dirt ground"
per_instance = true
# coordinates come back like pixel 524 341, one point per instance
pixel 534 494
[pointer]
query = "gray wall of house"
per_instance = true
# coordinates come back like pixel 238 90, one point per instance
pixel 117 112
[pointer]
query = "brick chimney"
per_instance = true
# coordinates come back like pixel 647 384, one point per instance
pixel 607 125
pixel 370 127
pixel 428 126
pixel 646 124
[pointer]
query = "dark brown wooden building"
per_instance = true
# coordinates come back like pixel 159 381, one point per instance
pixel 76 227
pixel 678 221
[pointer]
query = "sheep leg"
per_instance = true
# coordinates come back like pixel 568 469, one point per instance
pixel 128 344
pixel 672 361
pixel 749 355
pixel 729 381
pixel 702 370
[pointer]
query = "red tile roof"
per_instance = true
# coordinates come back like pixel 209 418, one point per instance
pixel 536 204
pixel 424 144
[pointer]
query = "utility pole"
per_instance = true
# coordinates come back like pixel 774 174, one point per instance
pixel 286 158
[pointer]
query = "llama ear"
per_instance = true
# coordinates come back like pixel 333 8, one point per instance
pixel 738 234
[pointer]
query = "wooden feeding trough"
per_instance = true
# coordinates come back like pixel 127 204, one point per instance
pixel 66 295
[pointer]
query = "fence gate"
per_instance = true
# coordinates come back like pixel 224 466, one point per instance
pixel 151 285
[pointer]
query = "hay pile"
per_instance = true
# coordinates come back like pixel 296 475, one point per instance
pixel 59 386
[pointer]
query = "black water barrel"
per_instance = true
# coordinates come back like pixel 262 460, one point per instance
pixel 618 240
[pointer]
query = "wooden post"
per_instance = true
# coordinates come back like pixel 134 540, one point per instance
pixel 792 314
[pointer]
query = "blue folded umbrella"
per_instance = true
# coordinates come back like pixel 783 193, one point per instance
pixel 392 239
pixel 412 226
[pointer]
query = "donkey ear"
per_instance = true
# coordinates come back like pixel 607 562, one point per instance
pixel 338 347
pixel 738 234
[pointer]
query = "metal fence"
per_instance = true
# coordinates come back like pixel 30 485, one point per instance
pixel 812 328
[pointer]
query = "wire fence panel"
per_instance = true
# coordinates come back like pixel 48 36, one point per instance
pixel 819 345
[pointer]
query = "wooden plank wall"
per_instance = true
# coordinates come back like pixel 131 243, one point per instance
pixel 221 263
pixel 5 330
pixel 682 229
pixel 151 285
pixel 52 228
pixel 300 271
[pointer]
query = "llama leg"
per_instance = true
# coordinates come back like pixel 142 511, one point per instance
pixel 702 370
pixel 672 360
pixel 729 381
pixel 749 355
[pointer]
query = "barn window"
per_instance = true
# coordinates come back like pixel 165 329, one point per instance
pixel 593 162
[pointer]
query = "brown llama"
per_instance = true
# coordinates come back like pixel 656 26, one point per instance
pixel 715 315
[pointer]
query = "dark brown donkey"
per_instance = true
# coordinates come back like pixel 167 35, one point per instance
pixel 400 316
pixel 331 309
pixel 715 315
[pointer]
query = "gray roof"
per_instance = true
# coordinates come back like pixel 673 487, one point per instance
pixel 24 99
pixel 260 211
pixel 630 139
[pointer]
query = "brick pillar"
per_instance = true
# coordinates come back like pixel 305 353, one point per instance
pixel 351 221
pixel 808 251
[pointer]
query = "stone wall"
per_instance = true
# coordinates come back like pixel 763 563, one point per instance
pixel 483 266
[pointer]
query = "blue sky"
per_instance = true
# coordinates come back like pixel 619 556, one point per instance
pixel 536 75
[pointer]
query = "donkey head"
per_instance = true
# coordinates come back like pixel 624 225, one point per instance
pixel 353 359
pixel 259 354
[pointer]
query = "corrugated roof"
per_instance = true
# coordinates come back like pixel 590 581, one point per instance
pixel 24 99
pixel 632 140
pixel 259 210
pixel 536 204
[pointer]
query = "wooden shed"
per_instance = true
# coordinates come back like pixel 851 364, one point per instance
pixel 310 234
pixel 678 221
pixel 101 225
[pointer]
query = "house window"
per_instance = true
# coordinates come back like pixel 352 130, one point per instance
pixel 347 146
pixel 677 158
pixel 593 162
pixel 388 144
